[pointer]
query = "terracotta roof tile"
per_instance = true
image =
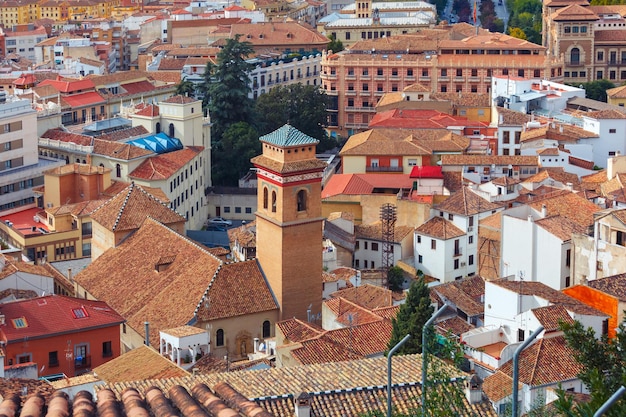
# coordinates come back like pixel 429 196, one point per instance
pixel 10 267
pixel 574 12
pixel 295 330
pixel 130 207
pixel 367 296
pixel 569 205
pixel 614 285
pixel 123 134
pixel 550 317
pixel 512 117
pixel 348 313
pixel 561 227
pixel 137 364
pixel 515 160
pixel 455 293
pixel 179 100
pixel 467 203
pixel 224 302
pixel 119 150
pixel 359 184
pixel 178 288
pixel 498 386
pixel 547 361
pixel 551 295
pixel 455 325
pixel 617 92
pixel 439 228
pixel 164 166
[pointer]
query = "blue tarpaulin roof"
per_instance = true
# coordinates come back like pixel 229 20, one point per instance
pixel 159 143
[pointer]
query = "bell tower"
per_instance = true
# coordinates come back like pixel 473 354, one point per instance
pixel 289 220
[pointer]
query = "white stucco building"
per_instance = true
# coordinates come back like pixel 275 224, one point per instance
pixel 537 246
pixel 446 245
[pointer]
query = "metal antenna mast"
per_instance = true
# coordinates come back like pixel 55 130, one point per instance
pixel 388 217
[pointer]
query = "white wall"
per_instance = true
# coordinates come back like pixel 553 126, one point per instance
pixel 607 142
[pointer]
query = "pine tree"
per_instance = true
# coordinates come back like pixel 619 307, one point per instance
pixel 411 318
pixel 226 87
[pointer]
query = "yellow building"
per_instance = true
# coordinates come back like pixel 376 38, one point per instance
pixel 617 96
pixel 17 13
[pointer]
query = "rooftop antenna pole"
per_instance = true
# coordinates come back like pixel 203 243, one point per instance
pixel 616 395
pixel 425 353
pixel 389 356
pixel 516 356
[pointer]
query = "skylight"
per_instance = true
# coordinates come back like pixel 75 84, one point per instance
pixel 20 322
pixel 79 313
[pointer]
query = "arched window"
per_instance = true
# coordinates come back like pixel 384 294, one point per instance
pixel 171 130
pixel 265 198
pixel 158 127
pixel 273 201
pixel 301 200
pixel 575 56
pixel 118 170
pixel 219 338
pixel 266 329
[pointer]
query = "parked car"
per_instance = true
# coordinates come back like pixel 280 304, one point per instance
pixel 216 228
pixel 220 221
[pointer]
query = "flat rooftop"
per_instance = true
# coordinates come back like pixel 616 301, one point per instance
pixel 24 222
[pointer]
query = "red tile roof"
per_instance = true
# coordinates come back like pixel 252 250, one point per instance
pixel 138 87
pixel 84 99
pixel 419 119
pixel 68 85
pixel 439 228
pixel 467 203
pixel 54 314
pixel 357 184
pixel 130 207
pixel 426 172
pixel 165 165
pixel 176 288
pixel 179 100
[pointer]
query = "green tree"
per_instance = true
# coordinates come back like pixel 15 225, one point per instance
pixel 517 33
pixel 395 278
pixel 411 318
pixel 186 88
pixel 335 44
pixel 226 87
pixel 596 90
pixel 240 143
pixel 604 369
pixel 302 106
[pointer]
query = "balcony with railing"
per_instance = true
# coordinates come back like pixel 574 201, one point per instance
pixel 82 362
pixel 360 109
pixel 570 63
pixel 383 169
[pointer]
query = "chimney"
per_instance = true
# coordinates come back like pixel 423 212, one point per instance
pixel 473 390
pixel 302 405
pixel 530 218
pixel 544 211
pixel 69 275
pixel 570 186
pixel 146 325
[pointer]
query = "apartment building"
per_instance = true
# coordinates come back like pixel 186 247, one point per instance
pixel 22 40
pixel 591 38
pixel 443 59
pixel 371 20
pixel 20 167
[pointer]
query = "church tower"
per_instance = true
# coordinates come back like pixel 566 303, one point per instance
pixel 289 220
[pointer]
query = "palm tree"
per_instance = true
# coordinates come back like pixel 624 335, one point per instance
pixel 186 88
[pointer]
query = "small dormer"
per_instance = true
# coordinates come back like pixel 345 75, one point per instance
pixel 164 263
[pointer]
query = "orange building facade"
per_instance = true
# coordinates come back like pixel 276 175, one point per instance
pixel 62 335
pixel 598 300
pixel 444 59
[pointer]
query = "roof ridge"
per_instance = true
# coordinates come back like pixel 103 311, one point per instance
pixel 123 206
pixel 534 368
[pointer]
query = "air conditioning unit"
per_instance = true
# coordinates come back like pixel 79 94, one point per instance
pixel 36 219
pixel 462 263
